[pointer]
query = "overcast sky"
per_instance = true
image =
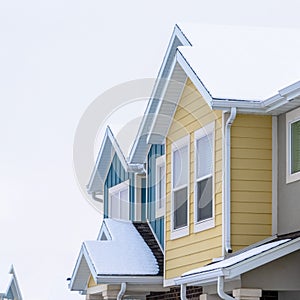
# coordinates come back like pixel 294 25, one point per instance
pixel 56 57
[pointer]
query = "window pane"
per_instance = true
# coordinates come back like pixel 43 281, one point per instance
pixel 180 208
pixel 204 155
pixel 204 199
pixel 180 167
pixel 161 186
pixel 295 140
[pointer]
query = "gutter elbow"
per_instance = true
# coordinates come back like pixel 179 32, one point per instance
pixel 96 198
pixel 220 289
pixel 122 291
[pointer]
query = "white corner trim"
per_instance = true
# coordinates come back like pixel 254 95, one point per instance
pixel 291 117
pixel 170 282
pixel 160 162
pixel 274 174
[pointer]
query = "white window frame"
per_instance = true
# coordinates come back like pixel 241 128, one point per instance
pixel 210 222
pixel 117 189
pixel 291 117
pixel 138 207
pixel 183 231
pixel 160 211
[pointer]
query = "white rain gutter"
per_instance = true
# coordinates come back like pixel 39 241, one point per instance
pixel 220 288
pixel 122 291
pixel 96 198
pixel 183 292
pixel 227 184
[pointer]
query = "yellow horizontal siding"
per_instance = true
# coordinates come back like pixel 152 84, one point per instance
pixel 91 282
pixel 195 249
pixel 251 179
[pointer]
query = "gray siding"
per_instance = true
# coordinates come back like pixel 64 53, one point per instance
pixel 157 224
pixel 116 175
pixel 288 194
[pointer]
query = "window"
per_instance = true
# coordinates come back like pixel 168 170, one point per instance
pixel 204 162
pixel 118 206
pixel 180 180
pixel 160 186
pixel 293 145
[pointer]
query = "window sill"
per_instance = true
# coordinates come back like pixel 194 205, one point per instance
pixel 292 177
pixel 178 233
pixel 204 225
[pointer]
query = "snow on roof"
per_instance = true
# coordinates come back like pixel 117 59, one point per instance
pixel 123 253
pixel 237 258
pixel 245 63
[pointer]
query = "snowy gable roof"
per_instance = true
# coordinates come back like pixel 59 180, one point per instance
pixel 245 63
pixel 140 146
pixel 256 70
pixel 9 286
pixel 108 149
pixel 240 263
pixel 119 252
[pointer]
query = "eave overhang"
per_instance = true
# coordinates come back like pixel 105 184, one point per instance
pixel 235 270
pixel 140 148
pixel 286 99
pixel 108 149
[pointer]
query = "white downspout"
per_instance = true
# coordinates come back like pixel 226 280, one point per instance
pixel 227 183
pixel 220 288
pixel 183 292
pixel 122 291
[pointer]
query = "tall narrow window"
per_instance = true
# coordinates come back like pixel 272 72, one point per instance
pixel 160 186
pixel 293 145
pixel 204 157
pixel 119 201
pixel 180 176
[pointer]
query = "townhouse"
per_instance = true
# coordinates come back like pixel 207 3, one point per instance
pixel 213 174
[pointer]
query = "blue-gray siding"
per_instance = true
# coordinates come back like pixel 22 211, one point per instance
pixel 157 224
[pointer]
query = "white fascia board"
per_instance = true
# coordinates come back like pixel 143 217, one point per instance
pixel 109 137
pixel 82 255
pixel 263 258
pixel 103 279
pixel 117 149
pixel 89 262
pixel 202 278
pixel 177 33
pixel 153 136
pixel 92 178
pixel 193 77
pixel 75 271
pixel 284 96
pixel 290 91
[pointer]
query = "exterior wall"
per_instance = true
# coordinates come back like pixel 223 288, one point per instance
pixel 91 282
pixel 280 275
pixel 288 194
pixel 189 252
pixel 116 175
pixel 157 224
pixel 251 179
